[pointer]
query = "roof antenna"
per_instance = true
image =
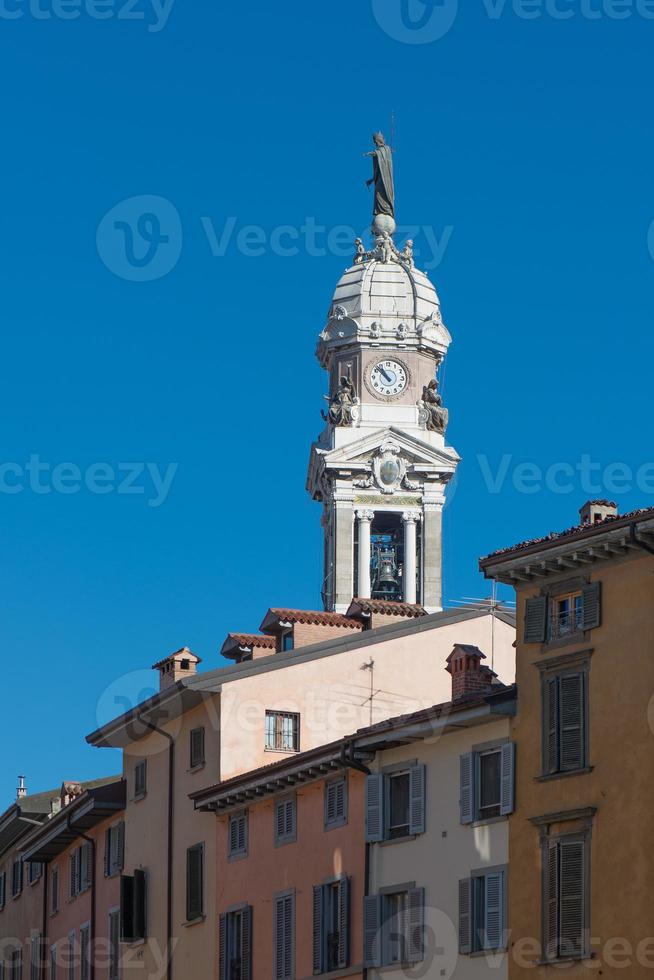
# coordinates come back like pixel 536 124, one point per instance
pixel 21 792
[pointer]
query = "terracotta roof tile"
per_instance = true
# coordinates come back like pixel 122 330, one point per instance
pixel 184 650
pixel 386 608
pixel 253 640
pixel 309 616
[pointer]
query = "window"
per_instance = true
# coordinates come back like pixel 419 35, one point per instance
pixel 566 883
pixel 394 925
pixel 238 834
pixel 3 889
pixel 133 906
pixel 15 964
pixel 197 747
pixel 81 869
pixel 54 891
pixel 331 926
pixel 482 911
pixel 72 955
pixel 282 731
pixel 284 936
pixel 487 782
pixel 285 820
pixel 336 802
pixel 53 962
pixel 195 882
pixel 235 944
pixel 395 804
pixel 140 779
pixel 571 610
pixel 565 736
pixel 34 872
pixel 114 944
pixel 114 849
pixel 287 641
pixel 85 952
pixel 35 958
pixel 16 878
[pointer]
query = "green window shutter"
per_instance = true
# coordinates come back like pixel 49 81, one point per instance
pixel 121 846
pixel 194 882
pixel 372 939
pixel 572 889
pixel 507 780
pixel 467 787
pixel 222 947
pixel 551 725
pixel 571 721
pixel 536 620
pixel 465 916
pixel 343 923
pixel 246 943
pixel 551 900
pixel 417 780
pixel 416 923
pixel 140 904
pixel 494 911
pixel 374 807
pixel 318 930
pixel 592 606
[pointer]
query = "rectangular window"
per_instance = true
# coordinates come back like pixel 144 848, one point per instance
pixel 394 925
pixel 114 944
pixel 336 802
pixel 85 866
pixel 238 834
pixel 195 882
pixel 133 906
pixel 140 779
pixel 287 643
pixel 85 952
pixel 576 609
pixel 3 889
pixel 16 878
pixel 16 964
pixel 565 737
pixel 53 962
pixel 566 615
pixel 482 911
pixel 487 783
pixel 284 936
pixel 72 955
pixel 282 731
pixel 114 849
pixel 197 747
pixel 54 891
pixel 35 871
pixel 285 820
pixel 235 944
pixel 331 926
pixel 35 958
pixel 395 804
pixel 566 886
pixel 74 873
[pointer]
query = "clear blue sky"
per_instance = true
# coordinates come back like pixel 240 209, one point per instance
pixel 530 138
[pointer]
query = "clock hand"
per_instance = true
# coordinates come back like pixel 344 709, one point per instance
pixel 382 371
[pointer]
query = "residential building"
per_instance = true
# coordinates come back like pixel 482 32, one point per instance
pixel 581 865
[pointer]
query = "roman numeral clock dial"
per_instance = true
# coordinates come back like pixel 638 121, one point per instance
pixel 388 378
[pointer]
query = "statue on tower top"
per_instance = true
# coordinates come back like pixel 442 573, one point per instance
pixel 382 170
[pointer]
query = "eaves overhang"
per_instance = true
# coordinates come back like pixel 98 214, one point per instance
pixel 88 810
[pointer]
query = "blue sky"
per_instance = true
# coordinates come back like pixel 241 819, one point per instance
pixel 523 144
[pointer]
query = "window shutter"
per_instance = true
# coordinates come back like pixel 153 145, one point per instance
pixel 494 905
pixel 317 929
pixel 571 916
pixel 233 835
pixel 415 937
pixel 127 908
pixel 550 725
pixel 551 890
pixel 120 858
pixel 84 953
pixel 283 944
pixel 107 852
pixel 114 945
pixel 372 930
pixel 417 781
pixel 571 707
pixel 467 787
pixel 88 865
pixel 246 943
pixel 194 870
pixel 536 620
pixel 343 923
pixel 74 873
pixel 222 947
pixel 592 605
pixel 465 915
pixel 375 807
pixel 507 779
pixel 140 904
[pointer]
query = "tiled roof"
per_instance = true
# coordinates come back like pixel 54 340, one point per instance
pixel 184 651
pixel 252 640
pixel 580 530
pixel 386 608
pixel 309 616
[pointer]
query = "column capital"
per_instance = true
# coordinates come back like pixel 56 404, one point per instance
pixel 410 515
pixel 366 515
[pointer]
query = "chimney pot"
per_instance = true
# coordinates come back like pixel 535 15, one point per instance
pixel 21 792
pixel 469 675
pixel 595 511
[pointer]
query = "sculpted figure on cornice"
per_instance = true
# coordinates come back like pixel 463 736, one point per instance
pixel 435 416
pixel 341 404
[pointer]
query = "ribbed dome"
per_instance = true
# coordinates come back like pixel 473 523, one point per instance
pixel 381 289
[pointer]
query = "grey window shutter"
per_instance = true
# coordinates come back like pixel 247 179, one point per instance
pixel 467 787
pixel 571 721
pixel 551 895
pixel 417 780
pixel 374 807
pixel 416 930
pixel 283 937
pixel 194 882
pixel 84 953
pixel 507 793
pixel 280 819
pixel 571 915
pixel 465 915
pixel 90 870
pixel 107 852
pixel 592 606
pixel 246 944
pixel 494 908
pixel 222 947
pixel 536 620
pixel 372 939
pixel 551 725
pixel 317 929
pixel 121 845
pixel 343 923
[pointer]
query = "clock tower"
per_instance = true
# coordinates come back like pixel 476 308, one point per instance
pixel 381 466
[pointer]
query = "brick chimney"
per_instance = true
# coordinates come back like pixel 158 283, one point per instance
pixel 469 676
pixel 179 665
pixel 595 511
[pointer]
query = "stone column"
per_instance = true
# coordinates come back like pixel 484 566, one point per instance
pixel 432 557
pixel 365 518
pixel 343 538
pixel 410 518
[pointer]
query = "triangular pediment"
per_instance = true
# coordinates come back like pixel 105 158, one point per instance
pixel 414 450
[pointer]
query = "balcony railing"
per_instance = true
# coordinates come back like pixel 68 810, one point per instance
pixel 565 622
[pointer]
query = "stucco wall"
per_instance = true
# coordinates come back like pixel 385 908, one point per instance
pixel 21 917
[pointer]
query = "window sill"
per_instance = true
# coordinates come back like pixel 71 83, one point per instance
pixel 198 920
pixel 487 821
pixel 551 776
pixel 397 840
pixel 283 841
pixel 347 971
pixel 567 959
pixel 335 824
pixel 200 766
pixel 282 751
pixel 135 943
pixel 565 641
pixel 478 953
pixel 241 856
pixel 139 796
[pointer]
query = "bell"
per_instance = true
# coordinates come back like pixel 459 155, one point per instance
pixel 387 578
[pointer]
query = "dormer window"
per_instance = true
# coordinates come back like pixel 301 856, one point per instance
pixel 185 665
pixel 287 642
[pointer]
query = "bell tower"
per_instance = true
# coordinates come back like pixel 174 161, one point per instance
pixel 381 465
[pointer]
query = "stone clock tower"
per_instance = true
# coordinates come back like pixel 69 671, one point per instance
pixel 381 465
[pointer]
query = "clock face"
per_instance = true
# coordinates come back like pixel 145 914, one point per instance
pixel 388 378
